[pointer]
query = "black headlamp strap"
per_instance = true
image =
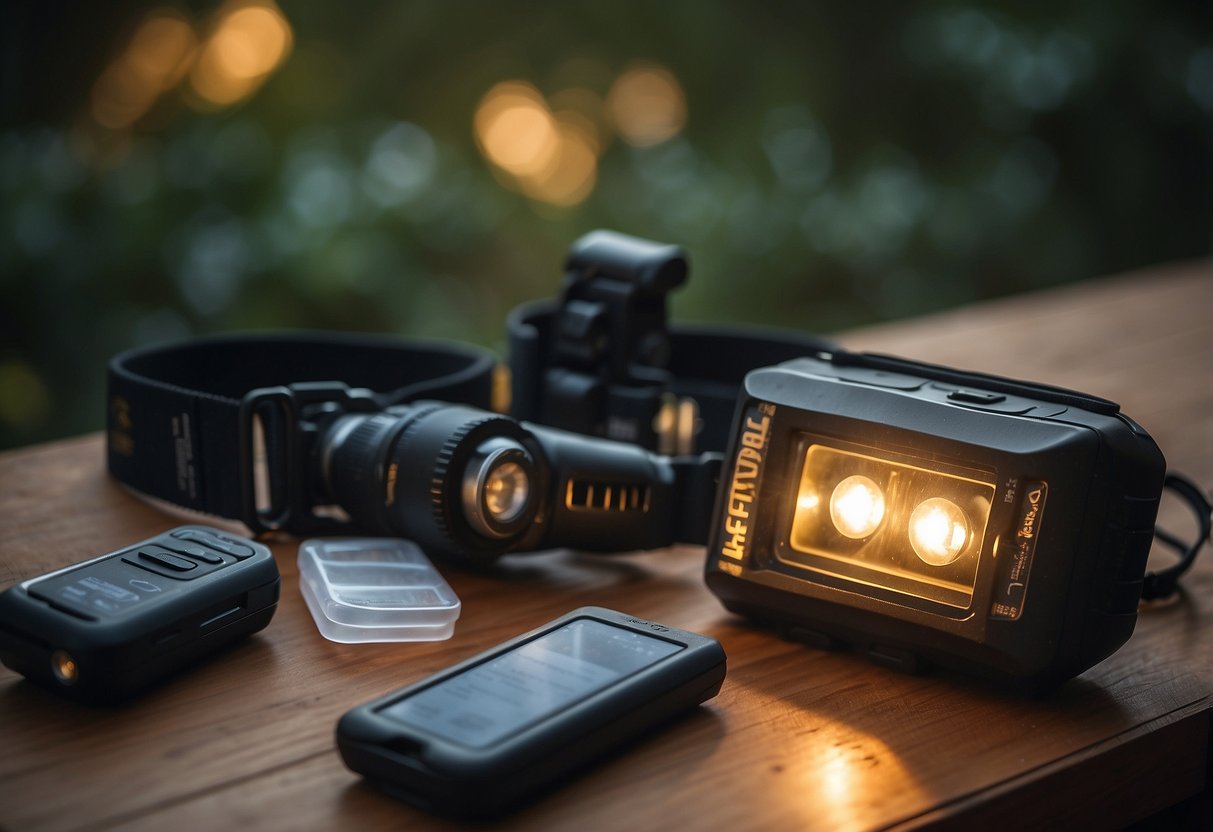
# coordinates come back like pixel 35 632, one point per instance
pixel 177 420
pixel 599 361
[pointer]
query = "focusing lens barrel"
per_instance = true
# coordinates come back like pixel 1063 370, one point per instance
pixel 460 482
pixel 471 485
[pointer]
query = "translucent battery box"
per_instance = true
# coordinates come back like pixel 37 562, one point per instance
pixel 381 589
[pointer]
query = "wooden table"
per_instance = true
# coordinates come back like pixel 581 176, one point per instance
pixel 797 739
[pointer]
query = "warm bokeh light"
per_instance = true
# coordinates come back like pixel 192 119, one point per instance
pixel 572 174
pixel 249 41
pixel 120 97
pixel 157 56
pixel 647 105
pixel 552 157
pixel 162 46
pixel 550 148
pixel 586 109
pixel 351 190
pixel 515 129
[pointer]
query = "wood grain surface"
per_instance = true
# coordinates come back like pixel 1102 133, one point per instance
pixel 797 738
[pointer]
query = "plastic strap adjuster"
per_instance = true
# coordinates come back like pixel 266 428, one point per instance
pixel 273 483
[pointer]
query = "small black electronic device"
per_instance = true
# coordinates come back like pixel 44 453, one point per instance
pixel 104 629
pixel 483 736
pixel 929 515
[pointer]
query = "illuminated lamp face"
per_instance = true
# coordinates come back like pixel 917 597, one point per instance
pixel 888 521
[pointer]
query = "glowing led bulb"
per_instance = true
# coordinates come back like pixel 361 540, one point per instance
pixel 939 531
pixel 496 488
pixel 506 490
pixel 857 506
pixel 64 667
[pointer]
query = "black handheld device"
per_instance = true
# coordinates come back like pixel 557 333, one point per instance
pixel 485 735
pixel 104 629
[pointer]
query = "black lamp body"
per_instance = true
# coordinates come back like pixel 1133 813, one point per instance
pixel 1030 575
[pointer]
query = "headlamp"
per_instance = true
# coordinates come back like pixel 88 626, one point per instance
pixel 916 513
pixel 471 485
pixel 324 433
pixel 926 515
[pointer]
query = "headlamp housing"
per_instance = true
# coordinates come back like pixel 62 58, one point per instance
pixel 926 515
pixel 470 485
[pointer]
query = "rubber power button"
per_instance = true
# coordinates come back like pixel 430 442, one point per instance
pixel 177 564
pixel 976 397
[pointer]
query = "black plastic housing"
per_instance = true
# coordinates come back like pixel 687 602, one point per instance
pixel 131 617
pixel 438 774
pixel 1042 610
pixel 401 472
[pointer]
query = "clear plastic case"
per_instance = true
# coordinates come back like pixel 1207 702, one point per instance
pixel 375 589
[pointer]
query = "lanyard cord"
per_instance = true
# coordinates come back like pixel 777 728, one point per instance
pixel 1163 584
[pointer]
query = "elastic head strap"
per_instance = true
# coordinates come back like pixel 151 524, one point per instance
pixel 176 416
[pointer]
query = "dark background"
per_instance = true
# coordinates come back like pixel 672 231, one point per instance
pixel 838 164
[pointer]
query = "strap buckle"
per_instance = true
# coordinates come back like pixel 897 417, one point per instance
pixel 609 345
pixel 278 427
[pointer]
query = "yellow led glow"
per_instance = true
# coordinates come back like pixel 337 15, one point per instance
pixel 63 666
pixel 857 506
pixel 939 531
pixel 807 502
pixel 888 524
pixel 505 492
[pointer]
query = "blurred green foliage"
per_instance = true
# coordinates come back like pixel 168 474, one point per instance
pixel 840 164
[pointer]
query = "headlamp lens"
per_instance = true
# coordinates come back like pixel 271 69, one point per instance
pixel 498 493
pixel 939 531
pixel 506 489
pixel 880 520
pixel 857 506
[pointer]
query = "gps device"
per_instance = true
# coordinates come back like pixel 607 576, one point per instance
pixel 487 734
pixel 104 629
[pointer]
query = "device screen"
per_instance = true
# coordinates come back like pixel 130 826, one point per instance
pixel 530 683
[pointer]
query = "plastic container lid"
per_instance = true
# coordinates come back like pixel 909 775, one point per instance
pixel 367 589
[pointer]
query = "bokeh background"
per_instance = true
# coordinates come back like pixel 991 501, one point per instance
pixel 420 167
